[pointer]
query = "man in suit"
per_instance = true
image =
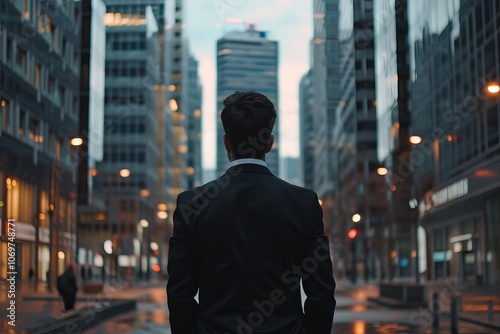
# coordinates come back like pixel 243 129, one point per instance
pixel 246 240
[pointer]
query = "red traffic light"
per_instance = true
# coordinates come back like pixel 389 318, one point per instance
pixel 352 233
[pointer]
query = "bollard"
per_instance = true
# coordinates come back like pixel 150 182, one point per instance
pixel 454 315
pixel 435 310
pixel 490 310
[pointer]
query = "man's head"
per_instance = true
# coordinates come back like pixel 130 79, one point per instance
pixel 248 119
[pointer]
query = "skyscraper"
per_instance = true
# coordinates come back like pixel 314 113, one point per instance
pixel 393 123
pixel 247 60
pixel 39 105
pixel 131 175
pixel 307 148
pixel 91 130
pixel 342 120
pixel 454 62
pixel 193 124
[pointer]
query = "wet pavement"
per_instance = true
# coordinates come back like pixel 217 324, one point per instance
pixel 354 315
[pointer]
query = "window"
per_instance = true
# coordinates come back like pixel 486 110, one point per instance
pixel 34 129
pixel 492 126
pixel 58 148
pixel 8 50
pixel 52 142
pixel 21 60
pixel 41 22
pixel 38 71
pixel 53 34
pixel 26 9
pixel 367 126
pixel 52 84
pixel 6 117
pixel 20 200
pixel 22 123
pixel 62 96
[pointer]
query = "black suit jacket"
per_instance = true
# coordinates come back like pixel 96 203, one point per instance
pixel 245 240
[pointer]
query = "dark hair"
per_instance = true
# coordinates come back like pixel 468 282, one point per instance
pixel 248 119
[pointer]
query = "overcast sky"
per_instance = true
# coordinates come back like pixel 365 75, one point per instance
pixel 287 21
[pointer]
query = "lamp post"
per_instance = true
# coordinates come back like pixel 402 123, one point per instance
pixel 144 224
pixel 108 249
pixel 122 173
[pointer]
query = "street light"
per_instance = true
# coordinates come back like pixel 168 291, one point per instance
pixel 76 141
pixel 382 171
pixel 493 88
pixel 124 172
pixel 108 247
pixel 144 223
pixel 415 140
pixel 162 215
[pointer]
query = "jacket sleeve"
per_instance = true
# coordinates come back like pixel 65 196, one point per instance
pixel 183 281
pixel 318 283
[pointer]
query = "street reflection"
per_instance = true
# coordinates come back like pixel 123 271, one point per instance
pixel 359 327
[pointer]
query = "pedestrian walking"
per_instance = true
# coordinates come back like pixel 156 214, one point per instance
pixel 66 286
pixel 247 240
pixel 82 273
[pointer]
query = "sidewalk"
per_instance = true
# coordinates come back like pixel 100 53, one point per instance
pixel 474 299
pixel 35 306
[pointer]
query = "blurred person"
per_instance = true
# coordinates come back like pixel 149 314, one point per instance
pixel 82 273
pixel 66 286
pixel 31 274
pixel 245 241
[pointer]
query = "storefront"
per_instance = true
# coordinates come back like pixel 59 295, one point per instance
pixel 24 242
pixel 462 220
pixel 43 253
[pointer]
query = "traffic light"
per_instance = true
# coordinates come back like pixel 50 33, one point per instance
pixel 352 233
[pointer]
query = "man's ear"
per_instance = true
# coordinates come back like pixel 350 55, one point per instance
pixel 227 145
pixel 270 143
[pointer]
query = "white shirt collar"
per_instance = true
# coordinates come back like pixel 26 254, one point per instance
pixel 247 161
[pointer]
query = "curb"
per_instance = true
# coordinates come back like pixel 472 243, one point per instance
pixel 82 319
pixel 78 299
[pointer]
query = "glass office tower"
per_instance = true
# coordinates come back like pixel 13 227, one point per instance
pixel 454 63
pixel 247 60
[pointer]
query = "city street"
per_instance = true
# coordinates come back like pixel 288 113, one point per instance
pixel 353 315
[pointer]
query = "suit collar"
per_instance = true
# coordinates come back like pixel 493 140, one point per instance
pixel 245 168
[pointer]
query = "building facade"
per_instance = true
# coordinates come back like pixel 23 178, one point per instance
pixel 454 61
pixel 306 104
pixel 358 187
pixel 131 175
pixel 193 125
pixel 393 146
pixel 39 96
pixel 247 60
pixel 291 170
pixel 91 127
